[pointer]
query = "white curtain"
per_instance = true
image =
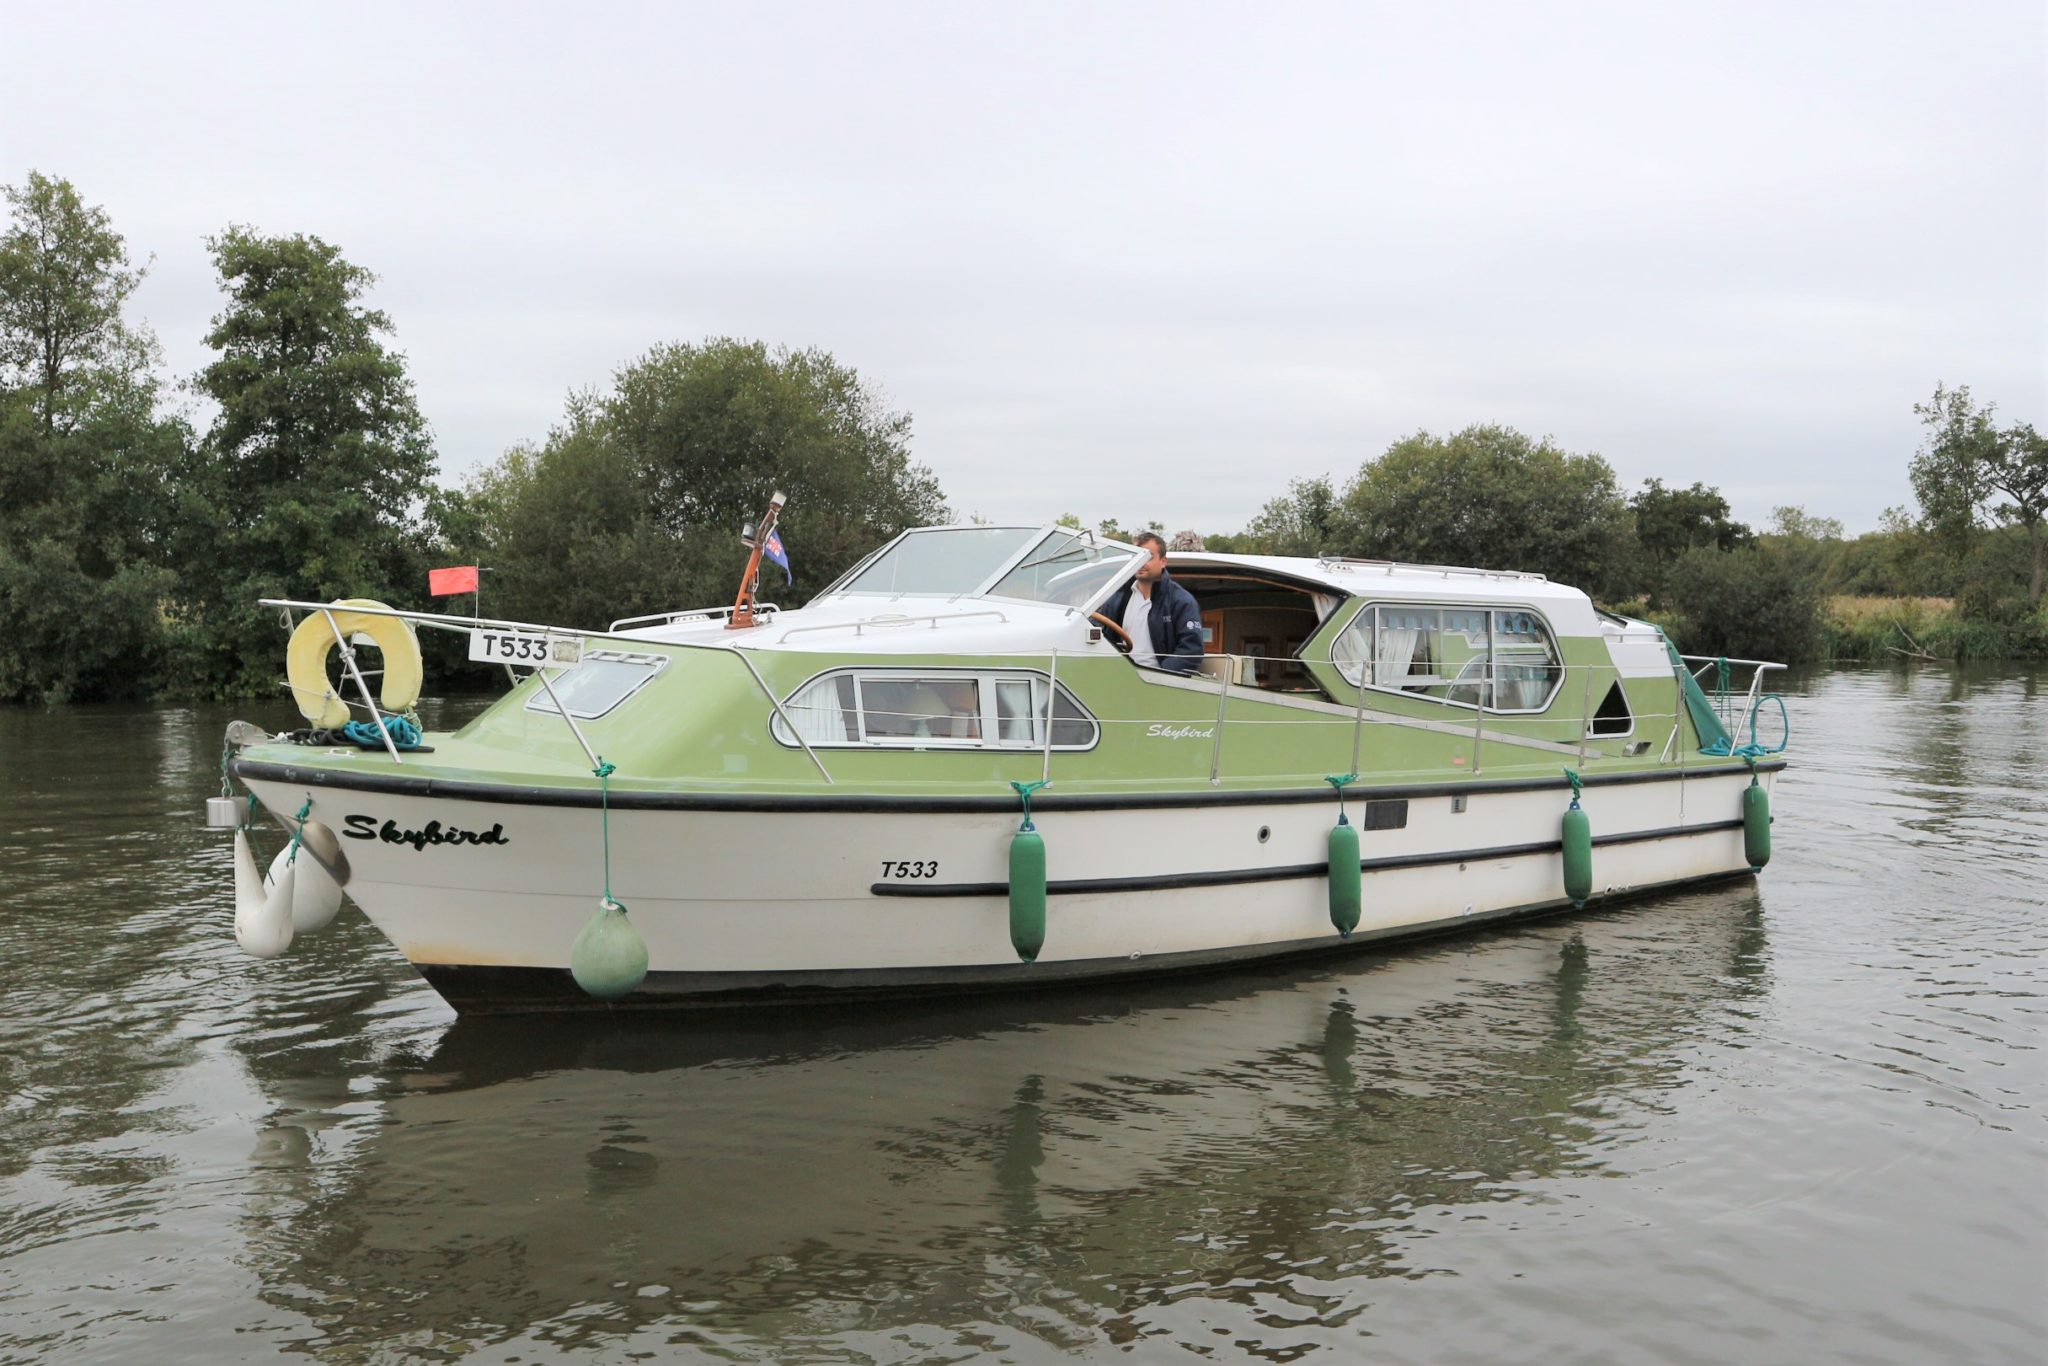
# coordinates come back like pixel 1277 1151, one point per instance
pixel 1396 651
pixel 1350 649
pixel 1019 705
pixel 820 716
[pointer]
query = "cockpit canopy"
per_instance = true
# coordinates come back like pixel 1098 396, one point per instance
pixel 1057 565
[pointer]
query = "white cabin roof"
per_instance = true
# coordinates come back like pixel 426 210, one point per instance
pixel 1368 578
pixel 981 623
pixel 1570 611
pixel 909 623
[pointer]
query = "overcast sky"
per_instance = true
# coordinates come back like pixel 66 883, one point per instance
pixel 1130 261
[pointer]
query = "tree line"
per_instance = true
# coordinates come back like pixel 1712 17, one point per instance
pixel 135 543
pixel 142 518
pixel 1961 575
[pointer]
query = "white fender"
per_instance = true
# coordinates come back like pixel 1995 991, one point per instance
pixel 249 891
pixel 263 923
pixel 318 895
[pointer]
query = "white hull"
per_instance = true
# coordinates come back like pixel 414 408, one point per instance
pixel 746 905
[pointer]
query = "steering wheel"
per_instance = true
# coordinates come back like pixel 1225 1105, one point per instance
pixel 1119 637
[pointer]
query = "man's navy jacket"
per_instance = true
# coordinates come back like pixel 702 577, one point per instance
pixel 1176 623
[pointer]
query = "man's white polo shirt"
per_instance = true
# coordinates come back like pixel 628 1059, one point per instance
pixel 1138 626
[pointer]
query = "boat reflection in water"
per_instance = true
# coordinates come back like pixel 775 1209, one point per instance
pixel 1065 1169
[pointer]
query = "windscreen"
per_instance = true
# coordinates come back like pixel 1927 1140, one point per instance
pixel 946 561
pixel 1067 568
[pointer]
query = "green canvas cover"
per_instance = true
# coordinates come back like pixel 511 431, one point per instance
pixel 1713 736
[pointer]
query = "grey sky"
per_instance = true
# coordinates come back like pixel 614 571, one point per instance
pixel 1127 260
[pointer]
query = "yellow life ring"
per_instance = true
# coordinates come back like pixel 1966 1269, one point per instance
pixel 305 661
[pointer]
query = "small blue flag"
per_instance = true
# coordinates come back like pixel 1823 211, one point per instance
pixel 772 548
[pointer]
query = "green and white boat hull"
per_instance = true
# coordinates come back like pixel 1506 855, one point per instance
pixel 1186 823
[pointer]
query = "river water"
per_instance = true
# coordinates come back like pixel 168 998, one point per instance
pixel 1786 1121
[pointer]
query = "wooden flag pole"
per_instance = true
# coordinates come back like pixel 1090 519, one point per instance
pixel 743 606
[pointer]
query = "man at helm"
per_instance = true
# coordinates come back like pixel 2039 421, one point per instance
pixel 1162 619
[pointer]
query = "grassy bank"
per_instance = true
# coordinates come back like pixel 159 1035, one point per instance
pixel 1880 629
pixel 1846 629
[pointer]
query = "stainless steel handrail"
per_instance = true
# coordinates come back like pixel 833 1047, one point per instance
pixel 891 623
pixel 1445 570
pixel 768 609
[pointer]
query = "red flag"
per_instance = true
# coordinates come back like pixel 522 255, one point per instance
pixel 460 579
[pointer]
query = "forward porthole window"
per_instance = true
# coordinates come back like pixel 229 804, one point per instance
pixel 605 679
pixel 934 709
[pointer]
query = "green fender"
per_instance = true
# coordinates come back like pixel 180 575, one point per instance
pixel 1347 895
pixel 609 958
pixel 1027 894
pixel 1578 855
pixel 1756 826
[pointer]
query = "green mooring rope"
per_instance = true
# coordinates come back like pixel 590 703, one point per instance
pixel 298 832
pixel 1340 781
pixel 1572 777
pixel 1025 790
pixel 604 773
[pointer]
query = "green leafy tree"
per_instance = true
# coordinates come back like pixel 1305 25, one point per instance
pixel 2018 469
pixel 1491 497
pixel 64 279
pixel 316 477
pixel 1671 522
pixel 1755 602
pixel 1113 530
pixel 1798 523
pixel 1949 469
pixel 1302 522
pixel 85 454
pixel 635 502
pixel 1965 464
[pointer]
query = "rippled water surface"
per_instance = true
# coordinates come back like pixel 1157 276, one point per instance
pixel 1793 1120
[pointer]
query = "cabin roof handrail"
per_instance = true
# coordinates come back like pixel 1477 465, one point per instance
pixel 930 621
pixel 719 613
pixel 1445 570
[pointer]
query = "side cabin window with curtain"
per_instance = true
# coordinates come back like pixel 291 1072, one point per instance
pixel 931 709
pixel 1502 659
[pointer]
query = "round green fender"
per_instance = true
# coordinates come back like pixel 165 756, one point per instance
pixel 1027 893
pixel 1578 854
pixel 1347 895
pixel 609 958
pixel 1756 825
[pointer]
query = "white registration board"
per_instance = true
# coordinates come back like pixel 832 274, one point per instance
pixel 531 649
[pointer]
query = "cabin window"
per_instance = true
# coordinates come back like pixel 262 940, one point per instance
pixel 604 680
pixel 1614 717
pixel 920 708
pixel 1500 659
pixel 825 713
pixel 925 709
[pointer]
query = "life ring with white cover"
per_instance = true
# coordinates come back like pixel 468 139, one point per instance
pixel 305 661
